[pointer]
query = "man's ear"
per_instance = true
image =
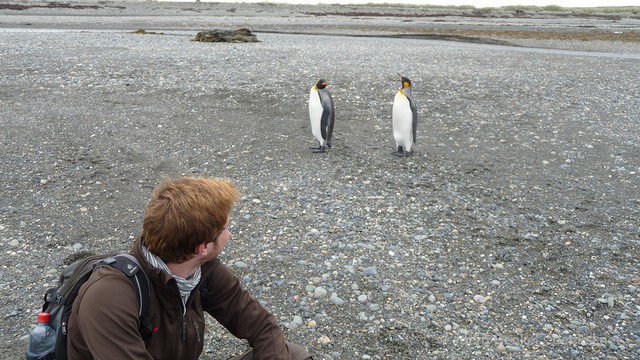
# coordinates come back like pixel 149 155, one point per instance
pixel 201 249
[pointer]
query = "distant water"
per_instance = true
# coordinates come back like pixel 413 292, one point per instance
pixel 476 3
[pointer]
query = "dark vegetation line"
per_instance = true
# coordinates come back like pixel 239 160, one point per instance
pixel 444 37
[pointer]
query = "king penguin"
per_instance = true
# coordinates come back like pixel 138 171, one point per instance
pixel 321 114
pixel 405 119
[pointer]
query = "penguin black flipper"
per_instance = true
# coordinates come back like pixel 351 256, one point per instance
pixel 414 111
pixel 331 120
pixel 326 122
pixel 323 124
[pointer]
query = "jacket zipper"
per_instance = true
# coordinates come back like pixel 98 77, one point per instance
pixel 184 330
pixel 195 325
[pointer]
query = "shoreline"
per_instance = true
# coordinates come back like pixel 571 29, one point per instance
pixel 539 29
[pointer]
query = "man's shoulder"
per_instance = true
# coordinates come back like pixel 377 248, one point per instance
pixel 211 266
pixel 107 279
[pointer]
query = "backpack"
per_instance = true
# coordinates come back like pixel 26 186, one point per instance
pixel 58 301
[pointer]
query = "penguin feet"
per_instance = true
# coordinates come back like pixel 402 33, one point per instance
pixel 319 149
pixel 401 153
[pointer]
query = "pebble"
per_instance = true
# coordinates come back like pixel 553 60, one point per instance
pixel 77 247
pixel 370 271
pixel 362 298
pixel 292 326
pixel 514 348
pixel 240 264
pixel 14 242
pixel 335 299
pixel 324 340
pixel 480 299
pixel 311 324
pixel 319 292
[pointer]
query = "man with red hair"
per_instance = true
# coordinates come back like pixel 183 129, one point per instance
pixel 186 227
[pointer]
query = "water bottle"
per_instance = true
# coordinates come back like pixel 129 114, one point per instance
pixel 42 339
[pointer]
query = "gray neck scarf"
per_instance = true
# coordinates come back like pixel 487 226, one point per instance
pixel 184 285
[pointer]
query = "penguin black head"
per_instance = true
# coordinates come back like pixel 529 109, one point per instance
pixel 405 82
pixel 321 84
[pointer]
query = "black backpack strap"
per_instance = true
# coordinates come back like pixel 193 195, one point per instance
pixel 130 266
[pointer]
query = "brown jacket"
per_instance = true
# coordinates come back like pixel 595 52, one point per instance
pixel 104 320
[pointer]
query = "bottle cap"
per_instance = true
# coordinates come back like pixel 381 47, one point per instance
pixel 43 317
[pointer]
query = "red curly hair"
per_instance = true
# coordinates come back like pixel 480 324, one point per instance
pixel 185 213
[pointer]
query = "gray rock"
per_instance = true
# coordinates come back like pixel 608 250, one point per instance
pixel 319 292
pixel 370 271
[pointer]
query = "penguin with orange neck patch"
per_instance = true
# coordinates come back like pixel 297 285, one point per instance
pixel 322 115
pixel 405 119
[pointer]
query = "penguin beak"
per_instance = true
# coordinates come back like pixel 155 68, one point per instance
pixel 325 83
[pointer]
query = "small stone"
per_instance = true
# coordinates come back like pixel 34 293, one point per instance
pixel 514 349
pixel 83 209
pixel 256 201
pixel 432 298
pixel 370 271
pixel 362 298
pixel 240 264
pixel 501 348
pixel 324 340
pixel 2 227
pixel 311 324
pixel 309 288
pixel 43 181
pixel 447 327
pixel 319 292
pixel 374 307
pixel 77 247
pixel 14 242
pixel 480 299
pixel 336 300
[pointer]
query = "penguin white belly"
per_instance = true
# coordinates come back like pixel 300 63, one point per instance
pixel 402 121
pixel 315 115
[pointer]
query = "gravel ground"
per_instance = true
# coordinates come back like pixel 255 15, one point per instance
pixel 512 232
